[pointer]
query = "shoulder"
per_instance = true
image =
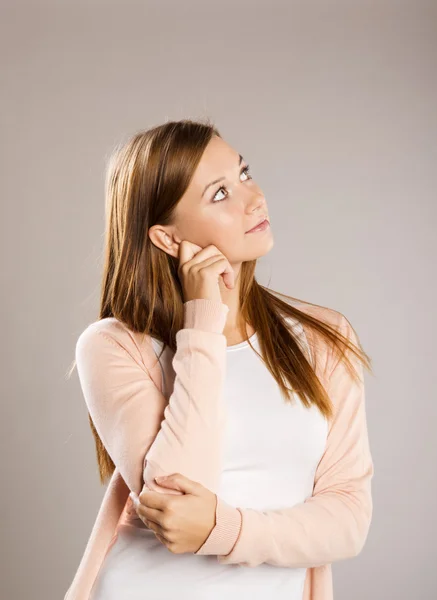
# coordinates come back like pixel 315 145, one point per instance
pixel 329 316
pixel 321 349
pixel 325 314
pixel 111 336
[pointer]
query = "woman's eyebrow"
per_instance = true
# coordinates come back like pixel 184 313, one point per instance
pixel 220 178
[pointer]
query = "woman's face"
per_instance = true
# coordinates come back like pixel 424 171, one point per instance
pixel 220 213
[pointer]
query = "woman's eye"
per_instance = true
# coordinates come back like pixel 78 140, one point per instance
pixel 243 170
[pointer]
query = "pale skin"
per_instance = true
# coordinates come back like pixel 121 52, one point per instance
pixel 221 216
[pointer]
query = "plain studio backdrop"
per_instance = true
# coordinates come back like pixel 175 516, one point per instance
pixel 334 106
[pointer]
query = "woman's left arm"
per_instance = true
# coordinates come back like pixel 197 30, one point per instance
pixel 333 523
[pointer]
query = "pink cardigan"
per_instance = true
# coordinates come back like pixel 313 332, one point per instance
pixel 147 436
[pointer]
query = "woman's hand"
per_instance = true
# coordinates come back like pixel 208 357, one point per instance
pixel 201 269
pixel 181 522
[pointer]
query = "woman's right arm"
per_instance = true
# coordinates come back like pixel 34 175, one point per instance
pixel 144 435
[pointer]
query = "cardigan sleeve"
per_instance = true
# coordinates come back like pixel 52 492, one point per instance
pixel 330 525
pixel 145 435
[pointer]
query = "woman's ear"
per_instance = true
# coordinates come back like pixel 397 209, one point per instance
pixel 163 239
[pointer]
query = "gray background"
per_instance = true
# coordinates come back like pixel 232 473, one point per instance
pixel 334 106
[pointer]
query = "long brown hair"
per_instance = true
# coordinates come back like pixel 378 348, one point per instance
pixel 145 178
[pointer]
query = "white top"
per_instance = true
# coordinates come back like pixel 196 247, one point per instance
pixel 267 465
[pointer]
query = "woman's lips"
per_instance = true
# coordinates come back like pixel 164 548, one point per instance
pixel 261 227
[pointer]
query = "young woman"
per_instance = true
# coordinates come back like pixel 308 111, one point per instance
pixel 253 404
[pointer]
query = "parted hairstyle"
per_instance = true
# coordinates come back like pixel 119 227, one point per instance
pixel 145 178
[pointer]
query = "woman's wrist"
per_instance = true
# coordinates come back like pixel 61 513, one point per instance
pixel 205 314
pixel 224 535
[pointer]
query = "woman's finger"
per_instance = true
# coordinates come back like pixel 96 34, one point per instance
pixel 151 514
pixel 156 530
